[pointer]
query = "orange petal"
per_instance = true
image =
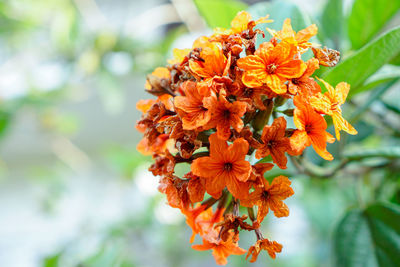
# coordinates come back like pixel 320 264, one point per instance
pixel 292 69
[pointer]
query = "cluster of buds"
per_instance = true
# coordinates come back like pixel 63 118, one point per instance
pixel 219 105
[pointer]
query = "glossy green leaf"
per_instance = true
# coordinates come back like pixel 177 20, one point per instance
pixel 369 238
pixel 357 68
pixel 367 18
pixel 219 13
pixel 386 74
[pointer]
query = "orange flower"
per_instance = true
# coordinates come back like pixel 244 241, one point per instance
pixel 272 247
pixel 160 72
pixel 275 143
pixel 240 23
pixel 270 196
pixel 226 166
pixel 311 130
pixel 196 188
pixel 191 215
pixel 300 39
pixel 221 249
pixel 191 107
pixel 212 62
pixel 305 85
pixel 271 66
pixel 167 100
pixel 329 103
pixel 144 105
pixel 178 55
pixel 202 219
pixel 224 115
pixel 181 193
pixel 163 74
pixel 252 96
pixel 258 170
pixel 159 146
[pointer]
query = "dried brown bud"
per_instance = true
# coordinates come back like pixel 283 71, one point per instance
pixel 327 57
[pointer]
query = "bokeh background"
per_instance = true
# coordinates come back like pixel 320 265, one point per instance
pixel 73 189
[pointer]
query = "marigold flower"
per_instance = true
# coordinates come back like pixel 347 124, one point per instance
pixel 272 247
pixel 271 66
pixel 329 103
pixel 270 196
pixel 225 167
pixel 275 143
pixel 311 130
pixel 221 249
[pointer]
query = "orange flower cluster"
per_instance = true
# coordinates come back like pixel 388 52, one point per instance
pixel 213 108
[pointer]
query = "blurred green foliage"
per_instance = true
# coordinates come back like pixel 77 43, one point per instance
pixel 351 204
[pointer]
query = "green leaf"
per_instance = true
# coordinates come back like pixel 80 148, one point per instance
pixel 219 13
pixel 5 119
pixel 52 261
pixel 374 96
pixel 383 152
pixel 396 60
pixel 332 22
pixel 357 68
pixel 278 11
pixel 385 74
pixel 367 18
pixel 369 238
pixel 391 107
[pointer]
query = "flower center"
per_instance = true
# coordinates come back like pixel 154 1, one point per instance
pixel 228 166
pixel 336 107
pixel 271 68
pixel 271 143
pixel 202 108
pixel 308 128
pixel 226 114
pixel 248 92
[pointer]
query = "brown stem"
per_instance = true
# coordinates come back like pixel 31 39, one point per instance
pixel 258 234
pixel 179 159
pixel 235 210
